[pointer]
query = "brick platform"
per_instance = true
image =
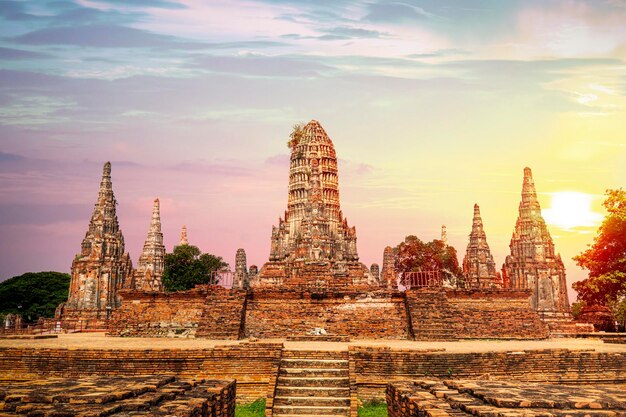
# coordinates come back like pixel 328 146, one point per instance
pixel 117 397
pixel 374 367
pixel 206 311
pixel 279 313
pixel 256 366
pixel 503 398
pixel 438 314
pixel 251 365
pixel 214 312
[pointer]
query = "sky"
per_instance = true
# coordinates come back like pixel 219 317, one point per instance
pixel 433 105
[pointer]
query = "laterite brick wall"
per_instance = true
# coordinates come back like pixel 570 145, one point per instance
pixel 369 315
pixel 374 367
pixel 250 364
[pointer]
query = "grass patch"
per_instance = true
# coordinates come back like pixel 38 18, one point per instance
pixel 255 409
pixel 373 408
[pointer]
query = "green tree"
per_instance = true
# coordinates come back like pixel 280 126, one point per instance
pixel 187 267
pixel 416 255
pixel 606 260
pixel 34 294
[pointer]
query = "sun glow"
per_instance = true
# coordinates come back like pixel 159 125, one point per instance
pixel 571 209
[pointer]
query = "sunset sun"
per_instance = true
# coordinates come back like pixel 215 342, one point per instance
pixel 570 209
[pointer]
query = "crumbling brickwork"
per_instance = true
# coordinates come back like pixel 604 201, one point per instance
pixel 212 312
pixel 250 364
pixel 438 314
pixel 118 397
pixel 368 315
pixel 375 367
pixel 428 397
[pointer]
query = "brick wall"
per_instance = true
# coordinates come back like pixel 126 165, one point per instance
pixel 374 367
pixel 218 313
pixel 255 365
pixel 473 314
pixel 361 315
pixel 250 364
pixel 206 311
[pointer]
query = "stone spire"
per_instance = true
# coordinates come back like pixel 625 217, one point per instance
pixel 479 267
pixel 444 235
pixel 389 277
pixel 313 229
pixel 533 263
pixel 152 260
pixel 102 267
pixel 240 279
pixel 183 236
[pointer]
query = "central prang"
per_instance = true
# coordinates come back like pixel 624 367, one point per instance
pixel 313 244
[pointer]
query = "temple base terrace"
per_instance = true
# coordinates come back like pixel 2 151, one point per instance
pixel 279 370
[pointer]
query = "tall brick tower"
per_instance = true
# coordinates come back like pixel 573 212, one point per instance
pixel 533 263
pixel 149 272
pixel 102 267
pixel 479 267
pixel 313 235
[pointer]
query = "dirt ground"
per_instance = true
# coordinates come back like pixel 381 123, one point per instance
pixel 100 341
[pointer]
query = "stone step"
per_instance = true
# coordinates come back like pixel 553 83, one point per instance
pixel 313 401
pixel 318 410
pixel 313 372
pixel 312 392
pixel 314 363
pixel 290 381
pixel 315 355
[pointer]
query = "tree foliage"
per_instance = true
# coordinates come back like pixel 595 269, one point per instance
pixel 34 294
pixel 187 267
pixel 296 135
pixel 415 255
pixel 606 259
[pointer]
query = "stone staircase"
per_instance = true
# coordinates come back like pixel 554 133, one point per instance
pixel 313 383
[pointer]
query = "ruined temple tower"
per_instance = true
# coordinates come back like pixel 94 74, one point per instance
pixel 444 235
pixel 149 270
pixel 313 240
pixel 102 267
pixel 240 278
pixel 183 236
pixel 479 268
pixel 533 263
pixel 388 277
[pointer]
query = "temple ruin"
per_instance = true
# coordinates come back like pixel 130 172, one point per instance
pixel 533 263
pixel 149 272
pixel 183 236
pixel 389 277
pixel 240 278
pixel 479 268
pixel 103 266
pixel 313 241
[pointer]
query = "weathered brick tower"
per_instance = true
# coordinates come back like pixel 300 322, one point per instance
pixel 149 273
pixel 240 277
pixel 479 267
pixel 313 241
pixel 533 263
pixel 102 267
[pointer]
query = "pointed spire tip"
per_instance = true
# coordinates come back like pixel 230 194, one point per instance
pixel 528 172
